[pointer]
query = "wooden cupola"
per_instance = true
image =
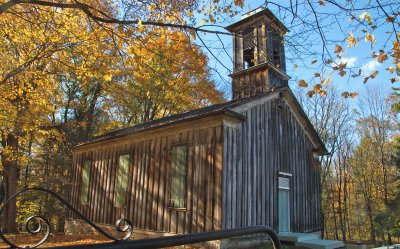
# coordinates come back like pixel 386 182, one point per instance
pixel 259 54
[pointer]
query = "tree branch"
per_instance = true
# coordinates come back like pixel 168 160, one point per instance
pixel 88 10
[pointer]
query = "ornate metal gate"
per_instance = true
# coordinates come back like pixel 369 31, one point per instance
pixel 125 226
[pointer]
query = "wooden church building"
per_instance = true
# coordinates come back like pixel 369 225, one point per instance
pixel 249 161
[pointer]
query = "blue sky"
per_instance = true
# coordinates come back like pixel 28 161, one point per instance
pixel 358 57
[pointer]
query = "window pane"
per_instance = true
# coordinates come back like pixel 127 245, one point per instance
pixel 178 176
pixel 122 180
pixel 85 181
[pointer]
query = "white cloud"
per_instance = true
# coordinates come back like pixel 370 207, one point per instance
pixel 370 66
pixel 351 62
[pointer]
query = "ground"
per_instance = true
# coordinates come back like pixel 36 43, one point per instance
pixel 64 240
pixel 55 240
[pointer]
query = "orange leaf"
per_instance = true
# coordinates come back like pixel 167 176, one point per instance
pixel 338 49
pixel 302 83
pixel 374 74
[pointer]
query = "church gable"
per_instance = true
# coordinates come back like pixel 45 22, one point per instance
pixel 272 141
pixel 284 100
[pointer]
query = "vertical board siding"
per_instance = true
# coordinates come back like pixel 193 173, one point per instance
pixel 270 141
pixel 149 182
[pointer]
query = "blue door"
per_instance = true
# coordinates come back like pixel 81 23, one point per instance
pixel 283 210
pixel 284 204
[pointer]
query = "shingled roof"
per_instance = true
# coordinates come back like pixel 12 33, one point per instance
pixel 217 109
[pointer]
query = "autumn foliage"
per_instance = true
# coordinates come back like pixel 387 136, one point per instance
pixel 66 77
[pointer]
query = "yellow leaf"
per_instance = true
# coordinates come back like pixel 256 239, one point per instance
pixel 107 77
pixel 352 41
pixel 366 16
pixel 390 69
pixel 322 3
pixel 295 67
pixel 370 37
pixel 322 93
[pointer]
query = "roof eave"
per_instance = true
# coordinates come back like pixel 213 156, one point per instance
pixel 222 112
pixel 267 12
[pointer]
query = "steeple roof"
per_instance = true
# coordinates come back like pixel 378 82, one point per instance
pixel 256 14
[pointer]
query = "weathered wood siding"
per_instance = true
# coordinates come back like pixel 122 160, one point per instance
pixel 269 142
pixel 149 181
pixel 245 84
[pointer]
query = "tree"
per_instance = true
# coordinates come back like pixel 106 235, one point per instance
pixel 377 124
pixel 57 78
pixel 332 118
pixel 164 75
pixel 25 88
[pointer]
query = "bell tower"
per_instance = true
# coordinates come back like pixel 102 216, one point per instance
pixel 258 54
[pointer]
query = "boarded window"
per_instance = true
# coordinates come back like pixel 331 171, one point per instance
pixel 85 181
pixel 178 176
pixel 122 180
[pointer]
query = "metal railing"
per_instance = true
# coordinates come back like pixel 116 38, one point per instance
pixel 186 239
pixel 127 228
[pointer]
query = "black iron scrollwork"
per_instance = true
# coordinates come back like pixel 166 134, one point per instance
pixel 39 224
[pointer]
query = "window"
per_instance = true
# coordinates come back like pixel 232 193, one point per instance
pixel 85 181
pixel 277 45
pixel 122 180
pixel 248 48
pixel 276 58
pixel 178 176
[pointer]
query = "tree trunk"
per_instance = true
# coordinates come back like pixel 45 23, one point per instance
pixel 10 182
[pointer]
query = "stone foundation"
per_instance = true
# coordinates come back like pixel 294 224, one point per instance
pixel 247 242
